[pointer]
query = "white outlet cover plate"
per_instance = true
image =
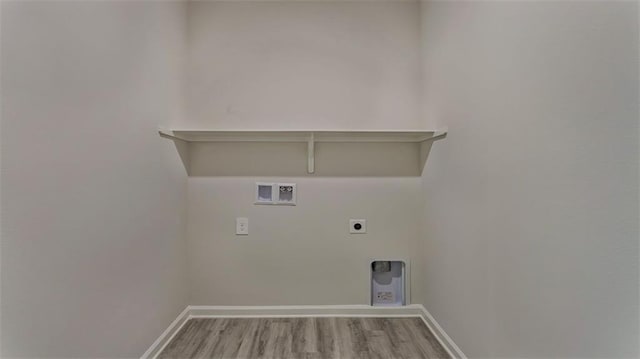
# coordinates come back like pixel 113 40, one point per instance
pixel 353 222
pixel 242 226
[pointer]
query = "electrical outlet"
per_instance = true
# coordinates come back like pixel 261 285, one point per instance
pixel 242 226
pixel 357 226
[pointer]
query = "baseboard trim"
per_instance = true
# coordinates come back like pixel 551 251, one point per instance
pixel 442 336
pixel 197 311
pixel 205 311
pixel 167 335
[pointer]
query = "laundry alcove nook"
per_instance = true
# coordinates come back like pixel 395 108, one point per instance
pixel 324 95
pixel 529 206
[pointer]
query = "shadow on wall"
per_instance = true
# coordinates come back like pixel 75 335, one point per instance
pixel 332 159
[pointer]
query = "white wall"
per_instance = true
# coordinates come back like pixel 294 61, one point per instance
pixel 296 64
pixel 302 255
pixel 301 65
pixel 93 201
pixel 531 223
pixel 530 205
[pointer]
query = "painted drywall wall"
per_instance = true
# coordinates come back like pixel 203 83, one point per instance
pixel 303 65
pixel 299 65
pixel 93 201
pixel 296 255
pixel 332 159
pixel 531 223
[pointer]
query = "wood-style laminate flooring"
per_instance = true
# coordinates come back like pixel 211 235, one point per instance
pixel 302 338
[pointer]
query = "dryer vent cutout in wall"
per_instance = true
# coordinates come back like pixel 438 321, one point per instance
pixel 276 193
pixel 388 283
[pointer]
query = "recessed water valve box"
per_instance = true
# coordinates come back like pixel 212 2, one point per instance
pixel 275 193
pixel 264 193
pixel 286 193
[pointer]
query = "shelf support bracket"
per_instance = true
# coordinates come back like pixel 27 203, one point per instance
pixel 442 133
pixel 181 145
pixel 169 134
pixel 425 146
pixel 311 144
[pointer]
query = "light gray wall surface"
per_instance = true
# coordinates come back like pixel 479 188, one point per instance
pixel 93 201
pixel 522 232
pixel 299 65
pixel 303 65
pixel 302 255
pixel 531 223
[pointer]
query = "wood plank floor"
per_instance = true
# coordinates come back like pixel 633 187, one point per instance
pixel 301 338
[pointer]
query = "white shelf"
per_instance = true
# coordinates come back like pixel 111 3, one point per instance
pixel 300 135
pixel 420 138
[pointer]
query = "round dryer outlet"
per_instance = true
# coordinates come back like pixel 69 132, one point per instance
pixel 357 226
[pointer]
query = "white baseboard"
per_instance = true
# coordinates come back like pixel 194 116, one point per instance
pixel 167 335
pixel 198 311
pixel 442 336
pixel 202 311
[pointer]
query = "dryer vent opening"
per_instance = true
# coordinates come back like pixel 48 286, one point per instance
pixel 387 283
